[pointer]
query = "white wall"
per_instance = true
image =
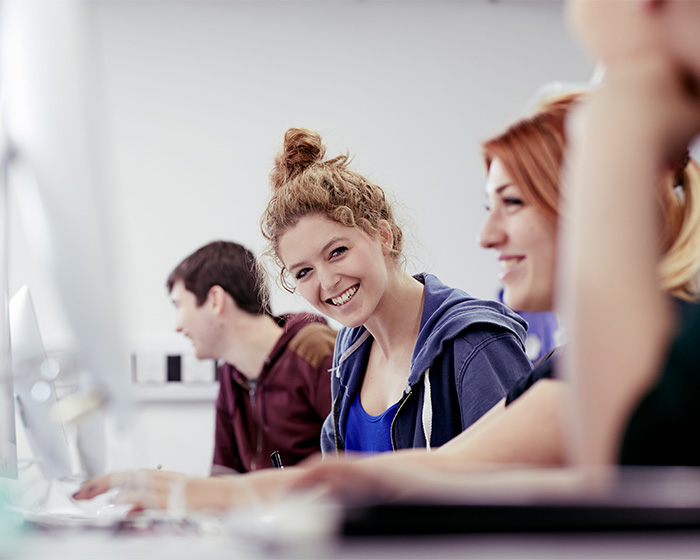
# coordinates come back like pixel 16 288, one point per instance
pixel 194 98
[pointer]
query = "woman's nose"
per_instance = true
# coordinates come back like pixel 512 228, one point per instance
pixel 328 279
pixel 492 233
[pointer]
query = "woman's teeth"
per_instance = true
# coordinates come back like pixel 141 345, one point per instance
pixel 507 264
pixel 346 296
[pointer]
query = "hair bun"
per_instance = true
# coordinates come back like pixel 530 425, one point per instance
pixel 302 148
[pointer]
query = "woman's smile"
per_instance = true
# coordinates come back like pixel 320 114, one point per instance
pixel 345 297
pixel 508 265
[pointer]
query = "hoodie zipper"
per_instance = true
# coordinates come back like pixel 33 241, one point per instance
pixel 336 417
pixel 393 422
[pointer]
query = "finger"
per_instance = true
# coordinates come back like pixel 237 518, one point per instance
pixel 134 511
pixel 102 484
pixel 94 487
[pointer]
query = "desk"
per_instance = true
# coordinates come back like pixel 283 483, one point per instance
pixel 173 547
pixel 661 505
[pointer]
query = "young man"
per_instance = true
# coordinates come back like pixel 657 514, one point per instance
pixel 275 381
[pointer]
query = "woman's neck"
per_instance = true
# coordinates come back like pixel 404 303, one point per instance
pixel 396 321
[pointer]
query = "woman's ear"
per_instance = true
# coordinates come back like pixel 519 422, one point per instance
pixel 386 237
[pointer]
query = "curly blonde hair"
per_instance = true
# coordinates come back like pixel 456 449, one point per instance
pixel 303 183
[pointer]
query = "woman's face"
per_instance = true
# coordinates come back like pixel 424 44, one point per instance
pixel 341 271
pixel 525 241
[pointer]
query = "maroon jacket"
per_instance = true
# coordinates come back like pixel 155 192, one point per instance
pixel 286 406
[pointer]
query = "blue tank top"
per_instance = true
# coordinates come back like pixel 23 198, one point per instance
pixel 368 434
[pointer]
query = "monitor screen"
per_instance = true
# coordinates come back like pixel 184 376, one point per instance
pixel 35 392
pixel 8 442
pixel 47 75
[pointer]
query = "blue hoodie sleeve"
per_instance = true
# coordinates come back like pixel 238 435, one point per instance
pixel 489 367
pixel 328 436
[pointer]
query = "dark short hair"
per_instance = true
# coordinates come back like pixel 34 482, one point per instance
pixel 226 264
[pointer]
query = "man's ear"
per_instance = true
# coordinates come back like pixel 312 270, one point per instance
pixel 216 299
pixel 386 236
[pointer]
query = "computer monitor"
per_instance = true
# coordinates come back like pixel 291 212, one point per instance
pixel 35 392
pixel 47 76
pixel 8 439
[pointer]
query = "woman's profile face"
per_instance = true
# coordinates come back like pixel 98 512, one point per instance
pixel 525 241
pixel 341 271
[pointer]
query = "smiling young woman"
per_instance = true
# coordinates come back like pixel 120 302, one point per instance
pixel 417 362
pixel 524 238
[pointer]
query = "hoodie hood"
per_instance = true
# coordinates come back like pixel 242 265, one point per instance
pixel 447 312
pixel 467 354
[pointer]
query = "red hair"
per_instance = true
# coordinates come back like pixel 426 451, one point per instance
pixel 532 153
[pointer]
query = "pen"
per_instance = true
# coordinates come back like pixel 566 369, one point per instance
pixel 276 460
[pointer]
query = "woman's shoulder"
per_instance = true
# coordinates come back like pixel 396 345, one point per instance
pixel 350 339
pixel 453 311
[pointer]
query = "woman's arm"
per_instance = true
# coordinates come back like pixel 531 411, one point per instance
pixel 619 320
pixel 487 361
pixel 153 489
pixel 528 432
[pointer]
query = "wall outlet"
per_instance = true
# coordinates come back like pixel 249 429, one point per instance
pixel 149 367
pixel 197 371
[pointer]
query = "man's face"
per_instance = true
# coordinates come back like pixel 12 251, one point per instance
pixel 196 322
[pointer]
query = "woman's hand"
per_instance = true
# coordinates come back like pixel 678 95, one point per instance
pixel 172 491
pixel 357 479
pixel 647 99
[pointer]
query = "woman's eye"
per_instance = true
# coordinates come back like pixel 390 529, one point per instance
pixel 512 201
pixel 339 251
pixel 303 272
